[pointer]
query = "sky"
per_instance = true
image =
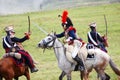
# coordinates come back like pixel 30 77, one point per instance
pixel 19 6
pixel 24 6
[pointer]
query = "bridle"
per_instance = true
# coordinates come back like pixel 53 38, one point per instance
pixel 47 43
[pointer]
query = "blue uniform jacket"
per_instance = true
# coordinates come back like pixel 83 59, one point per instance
pixel 13 40
pixel 71 33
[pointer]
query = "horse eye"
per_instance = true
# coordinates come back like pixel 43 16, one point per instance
pixel 49 38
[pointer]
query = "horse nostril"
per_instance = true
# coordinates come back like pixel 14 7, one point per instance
pixel 39 45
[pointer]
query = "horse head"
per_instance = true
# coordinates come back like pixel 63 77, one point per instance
pixel 48 41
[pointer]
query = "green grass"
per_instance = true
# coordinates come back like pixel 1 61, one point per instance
pixel 48 20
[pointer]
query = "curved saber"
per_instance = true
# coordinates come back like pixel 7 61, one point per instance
pixel 105 23
pixel 40 28
pixel 106 43
pixel 29 24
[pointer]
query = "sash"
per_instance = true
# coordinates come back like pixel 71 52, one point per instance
pixel 92 39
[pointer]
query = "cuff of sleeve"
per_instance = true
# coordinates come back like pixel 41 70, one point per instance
pixel 27 37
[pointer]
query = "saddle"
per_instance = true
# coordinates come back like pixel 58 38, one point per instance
pixel 69 50
pixel 87 50
pixel 15 57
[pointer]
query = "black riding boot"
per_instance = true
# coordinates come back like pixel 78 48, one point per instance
pixel 80 62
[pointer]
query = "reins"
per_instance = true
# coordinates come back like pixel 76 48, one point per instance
pixel 53 40
pixel 46 43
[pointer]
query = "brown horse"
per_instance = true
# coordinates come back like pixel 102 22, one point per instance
pixel 9 70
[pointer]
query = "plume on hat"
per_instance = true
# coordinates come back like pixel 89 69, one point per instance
pixel 64 16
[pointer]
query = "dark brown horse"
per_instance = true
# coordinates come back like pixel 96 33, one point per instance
pixel 9 70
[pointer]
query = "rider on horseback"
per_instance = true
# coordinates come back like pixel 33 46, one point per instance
pixel 95 38
pixel 11 46
pixel 70 34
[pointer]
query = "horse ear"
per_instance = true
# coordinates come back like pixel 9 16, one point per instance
pixel 54 33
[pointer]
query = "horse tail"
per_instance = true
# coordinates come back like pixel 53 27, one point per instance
pixel 114 67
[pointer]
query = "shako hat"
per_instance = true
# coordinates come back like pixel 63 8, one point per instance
pixel 66 21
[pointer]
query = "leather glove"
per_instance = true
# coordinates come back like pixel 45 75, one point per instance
pixel 27 34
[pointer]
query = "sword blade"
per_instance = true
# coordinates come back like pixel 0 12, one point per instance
pixel 105 23
pixel 29 24
pixel 40 28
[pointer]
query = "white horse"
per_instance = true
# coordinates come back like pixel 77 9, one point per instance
pixel 67 64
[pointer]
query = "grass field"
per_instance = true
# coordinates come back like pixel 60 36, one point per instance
pixel 48 20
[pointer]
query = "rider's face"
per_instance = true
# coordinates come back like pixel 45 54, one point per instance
pixel 64 27
pixel 12 34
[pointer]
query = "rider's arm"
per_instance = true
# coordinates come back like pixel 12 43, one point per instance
pixel 60 35
pixel 100 38
pixel 15 39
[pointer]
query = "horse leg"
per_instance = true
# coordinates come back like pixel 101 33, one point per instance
pixel 107 76
pixel 68 76
pixel 81 75
pixel 62 75
pixel 84 74
pixel 27 75
pixel 101 74
pixel 97 76
pixel 87 75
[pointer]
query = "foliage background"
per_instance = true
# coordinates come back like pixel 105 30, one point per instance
pixel 49 21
